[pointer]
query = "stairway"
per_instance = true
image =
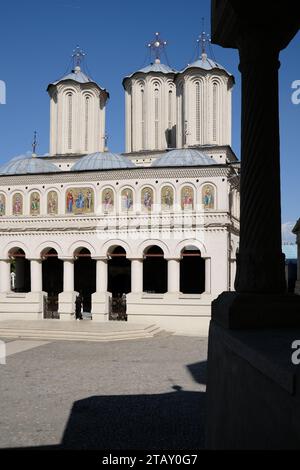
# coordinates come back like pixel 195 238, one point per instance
pixel 54 330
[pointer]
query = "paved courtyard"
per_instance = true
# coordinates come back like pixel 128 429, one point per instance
pixel 135 394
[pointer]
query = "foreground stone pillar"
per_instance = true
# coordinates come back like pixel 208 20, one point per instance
pixel 297 286
pixel 66 299
pixel 5 275
pixel 101 298
pixel 207 275
pixel 36 275
pixel 173 276
pixel 137 275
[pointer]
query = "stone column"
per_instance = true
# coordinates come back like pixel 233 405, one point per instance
pixel 5 275
pixel 36 275
pixel 137 275
pixel 66 299
pixel 260 262
pixel 207 275
pixel 297 286
pixel 101 298
pixel 173 276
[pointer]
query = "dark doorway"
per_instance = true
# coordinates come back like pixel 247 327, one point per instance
pixel 85 277
pixel 20 266
pixel 119 282
pixel 155 271
pixel 52 269
pixel 192 272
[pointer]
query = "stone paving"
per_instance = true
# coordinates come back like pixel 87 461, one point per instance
pixel 142 394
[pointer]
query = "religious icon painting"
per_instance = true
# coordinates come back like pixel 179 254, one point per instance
pixel 187 198
pixel 147 199
pixel 167 198
pixel 17 204
pixel 208 197
pixel 127 200
pixel 107 200
pixel 2 204
pixel 79 201
pixel 35 203
pixel 52 203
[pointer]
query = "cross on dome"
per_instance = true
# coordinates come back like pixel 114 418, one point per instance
pixel 202 41
pixel 78 56
pixel 156 47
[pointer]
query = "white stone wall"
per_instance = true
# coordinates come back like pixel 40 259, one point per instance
pixel 77 118
pixel 208 230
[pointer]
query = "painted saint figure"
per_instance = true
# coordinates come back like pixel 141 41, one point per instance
pixel 70 201
pixel 127 200
pixel 208 197
pixel 35 204
pixel 147 199
pixel 187 202
pixel 2 204
pixel 108 201
pixel 167 198
pixel 80 200
pixel 17 204
pixel 52 202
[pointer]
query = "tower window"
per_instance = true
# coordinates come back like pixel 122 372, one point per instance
pixel 170 118
pixel 156 114
pixel 86 139
pixel 143 119
pixel 198 112
pixel 215 111
pixel 70 123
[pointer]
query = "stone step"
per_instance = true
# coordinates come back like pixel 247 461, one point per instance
pixel 68 335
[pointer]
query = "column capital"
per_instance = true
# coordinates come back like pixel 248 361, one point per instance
pixel 135 258
pixel 66 258
pixel 170 258
pixel 100 258
pixel 8 260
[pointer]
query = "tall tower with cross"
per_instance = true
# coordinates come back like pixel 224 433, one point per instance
pixel 150 103
pixel 77 111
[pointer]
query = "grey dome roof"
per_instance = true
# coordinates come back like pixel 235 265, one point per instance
pixel 27 164
pixel 102 161
pixel 77 75
pixel 155 68
pixel 184 157
pixel 205 63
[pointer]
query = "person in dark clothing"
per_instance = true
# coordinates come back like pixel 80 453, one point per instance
pixel 78 305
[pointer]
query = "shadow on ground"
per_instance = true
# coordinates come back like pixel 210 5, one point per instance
pixel 172 420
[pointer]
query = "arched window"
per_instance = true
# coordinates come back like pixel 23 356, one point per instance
pixel 197 112
pixel 35 203
pixel 17 204
pixel 167 198
pixel 86 109
pixel 215 110
pixel 208 197
pixel 143 118
pixel 156 115
pixel 187 198
pixel 52 203
pixel 70 120
pixel 170 111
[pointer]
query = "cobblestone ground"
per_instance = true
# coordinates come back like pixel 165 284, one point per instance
pixel 141 394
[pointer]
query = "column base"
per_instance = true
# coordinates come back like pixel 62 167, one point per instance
pixel 100 306
pixel 234 310
pixel 297 288
pixel 66 305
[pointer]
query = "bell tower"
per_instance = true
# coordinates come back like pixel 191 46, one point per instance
pixel 77 112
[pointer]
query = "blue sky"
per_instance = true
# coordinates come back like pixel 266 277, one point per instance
pixel 37 39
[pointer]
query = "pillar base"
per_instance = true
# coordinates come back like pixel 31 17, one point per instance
pixel 234 310
pixel 297 287
pixel 66 305
pixel 100 306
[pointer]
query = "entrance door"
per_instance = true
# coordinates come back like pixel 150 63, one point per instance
pixel 85 278
pixel 119 282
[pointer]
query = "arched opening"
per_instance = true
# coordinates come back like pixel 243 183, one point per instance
pixel 85 277
pixel 155 271
pixel 192 271
pixel 119 281
pixel 52 272
pixel 20 271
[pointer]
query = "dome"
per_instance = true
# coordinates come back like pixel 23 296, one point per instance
pixel 184 157
pixel 27 164
pixel 205 63
pixel 77 75
pixel 102 161
pixel 156 67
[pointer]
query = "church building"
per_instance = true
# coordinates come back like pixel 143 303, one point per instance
pixel 149 235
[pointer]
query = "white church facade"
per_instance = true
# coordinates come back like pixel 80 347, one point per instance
pixel 155 228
